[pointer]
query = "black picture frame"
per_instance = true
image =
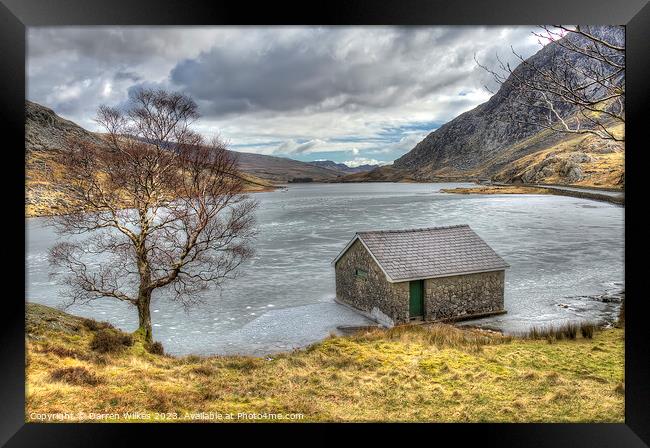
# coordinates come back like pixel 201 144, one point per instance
pixel 17 15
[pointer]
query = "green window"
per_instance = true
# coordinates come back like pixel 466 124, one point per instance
pixel 360 273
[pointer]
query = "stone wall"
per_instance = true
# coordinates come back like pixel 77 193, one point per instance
pixel 373 293
pixel 388 303
pixel 460 295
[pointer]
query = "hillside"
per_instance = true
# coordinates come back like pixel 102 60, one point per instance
pixel 412 373
pixel 281 169
pixel 576 160
pixel 389 173
pixel 478 145
pixel 342 168
pixel 46 134
pixel 46 131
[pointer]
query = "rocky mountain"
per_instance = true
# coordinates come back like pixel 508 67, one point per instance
pixel 46 133
pixel 342 168
pixel 45 130
pixel 477 144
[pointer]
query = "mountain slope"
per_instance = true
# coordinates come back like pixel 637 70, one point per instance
pixel 477 145
pixel 342 168
pixel 45 130
pixel 46 134
pixel 281 169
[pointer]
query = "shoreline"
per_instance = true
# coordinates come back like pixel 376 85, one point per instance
pixel 584 192
pixel 473 322
pixel 460 323
pixel 556 189
pixel 264 189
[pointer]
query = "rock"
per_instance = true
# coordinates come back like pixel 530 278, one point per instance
pixel 570 171
pixel 574 175
pixel 45 130
pixel 546 171
pixel 621 180
pixel 580 157
pixel 529 176
pixel 597 145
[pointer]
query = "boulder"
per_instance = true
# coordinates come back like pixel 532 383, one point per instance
pixel 597 145
pixel 570 171
pixel 580 157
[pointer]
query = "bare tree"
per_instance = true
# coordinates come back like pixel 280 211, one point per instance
pixel 158 207
pixel 579 90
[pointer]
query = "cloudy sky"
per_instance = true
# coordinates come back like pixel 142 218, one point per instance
pixel 349 94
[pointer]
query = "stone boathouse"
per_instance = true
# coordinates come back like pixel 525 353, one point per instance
pixel 438 273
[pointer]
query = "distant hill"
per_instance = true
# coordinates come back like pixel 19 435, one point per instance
pixel 342 168
pixel 282 169
pixel 476 145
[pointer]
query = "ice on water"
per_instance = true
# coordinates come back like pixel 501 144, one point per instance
pixel 561 249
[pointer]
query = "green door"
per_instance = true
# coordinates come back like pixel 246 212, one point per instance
pixel 416 302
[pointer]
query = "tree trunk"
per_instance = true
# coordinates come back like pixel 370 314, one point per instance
pixel 144 315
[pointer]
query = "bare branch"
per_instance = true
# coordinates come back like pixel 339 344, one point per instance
pixel 160 207
pixel 577 87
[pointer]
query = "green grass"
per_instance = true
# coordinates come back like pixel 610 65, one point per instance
pixel 437 373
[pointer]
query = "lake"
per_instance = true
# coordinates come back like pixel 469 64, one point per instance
pixel 563 251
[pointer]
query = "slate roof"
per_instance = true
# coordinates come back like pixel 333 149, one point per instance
pixel 431 252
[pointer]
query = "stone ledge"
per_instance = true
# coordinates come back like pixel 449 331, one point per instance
pixel 414 322
pixel 457 318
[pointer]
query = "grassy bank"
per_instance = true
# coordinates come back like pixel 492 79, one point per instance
pixel 496 189
pixel 438 374
pixel 527 189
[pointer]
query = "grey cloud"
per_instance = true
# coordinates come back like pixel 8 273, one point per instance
pixel 127 75
pixel 263 75
pixel 335 70
pixel 60 58
pixel 106 46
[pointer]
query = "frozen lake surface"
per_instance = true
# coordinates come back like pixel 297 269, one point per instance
pixel 562 251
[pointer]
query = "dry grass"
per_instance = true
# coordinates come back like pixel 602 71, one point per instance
pixel 552 333
pixel 587 330
pixel 436 373
pixel 440 335
pixel 604 170
pixel 568 330
pixel 110 341
pixel 79 376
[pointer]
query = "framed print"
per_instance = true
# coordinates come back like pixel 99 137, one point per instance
pixel 325 215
